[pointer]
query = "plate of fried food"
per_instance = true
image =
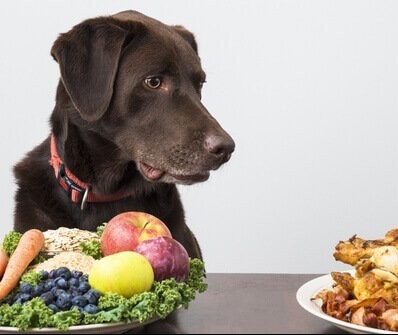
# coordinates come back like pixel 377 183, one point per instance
pixel 363 300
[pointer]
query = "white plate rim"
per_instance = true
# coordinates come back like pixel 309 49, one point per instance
pixel 309 289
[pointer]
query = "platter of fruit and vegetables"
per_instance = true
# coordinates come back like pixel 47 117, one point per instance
pixel 129 273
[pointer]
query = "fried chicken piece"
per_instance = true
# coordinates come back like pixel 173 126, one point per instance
pixel 345 280
pixel 360 288
pixel 374 284
pixel 356 248
pixel 369 286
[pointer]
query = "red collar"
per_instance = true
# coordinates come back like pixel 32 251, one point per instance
pixel 78 191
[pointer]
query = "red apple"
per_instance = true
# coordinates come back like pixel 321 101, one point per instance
pixel 168 257
pixel 126 230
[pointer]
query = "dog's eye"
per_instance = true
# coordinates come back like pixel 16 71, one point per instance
pixel 153 82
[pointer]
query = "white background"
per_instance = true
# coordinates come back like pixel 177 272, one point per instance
pixel 308 90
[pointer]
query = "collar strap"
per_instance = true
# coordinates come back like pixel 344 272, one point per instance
pixel 78 191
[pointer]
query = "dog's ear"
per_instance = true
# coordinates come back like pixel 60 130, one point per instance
pixel 187 35
pixel 88 57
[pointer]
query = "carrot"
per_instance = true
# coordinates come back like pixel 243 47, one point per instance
pixel 3 261
pixel 28 248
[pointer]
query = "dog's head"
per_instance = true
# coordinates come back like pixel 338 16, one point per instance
pixel 137 83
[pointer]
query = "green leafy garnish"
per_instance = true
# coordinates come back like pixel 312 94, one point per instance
pixel 66 319
pixel 196 275
pixel 92 248
pixel 11 241
pixel 34 313
pixel 100 229
pixel 32 277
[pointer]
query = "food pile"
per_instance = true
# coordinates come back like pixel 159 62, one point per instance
pixel 130 270
pixel 370 296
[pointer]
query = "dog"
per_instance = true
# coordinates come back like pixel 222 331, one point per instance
pixel 127 126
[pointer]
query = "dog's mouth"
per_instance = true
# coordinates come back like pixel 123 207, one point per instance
pixel 154 174
pixel 150 172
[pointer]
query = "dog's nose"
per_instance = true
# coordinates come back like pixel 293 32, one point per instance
pixel 219 146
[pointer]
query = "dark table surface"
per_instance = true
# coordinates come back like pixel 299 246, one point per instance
pixel 246 303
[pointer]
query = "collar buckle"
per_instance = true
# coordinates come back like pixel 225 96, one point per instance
pixel 84 198
pixel 70 186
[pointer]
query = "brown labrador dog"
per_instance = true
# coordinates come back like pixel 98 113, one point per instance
pixel 128 124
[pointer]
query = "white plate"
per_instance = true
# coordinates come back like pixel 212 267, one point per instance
pixel 104 328
pixel 311 288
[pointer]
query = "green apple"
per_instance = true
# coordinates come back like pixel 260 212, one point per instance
pixel 125 273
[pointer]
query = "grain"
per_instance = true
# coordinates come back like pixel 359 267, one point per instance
pixel 66 239
pixel 70 259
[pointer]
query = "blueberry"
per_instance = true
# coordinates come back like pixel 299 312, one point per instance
pixel 74 291
pixel 47 297
pixel 79 301
pixel 84 277
pixel 57 291
pixel 76 274
pixel 52 274
pixel 63 272
pixel 73 282
pixel 64 301
pixel 21 298
pixel 53 307
pixel 95 292
pixel 44 274
pixel 84 286
pixel 61 283
pixel 91 309
pixel 37 290
pixel 92 296
pixel 48 285
pixel 53 290
pixel 25 288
